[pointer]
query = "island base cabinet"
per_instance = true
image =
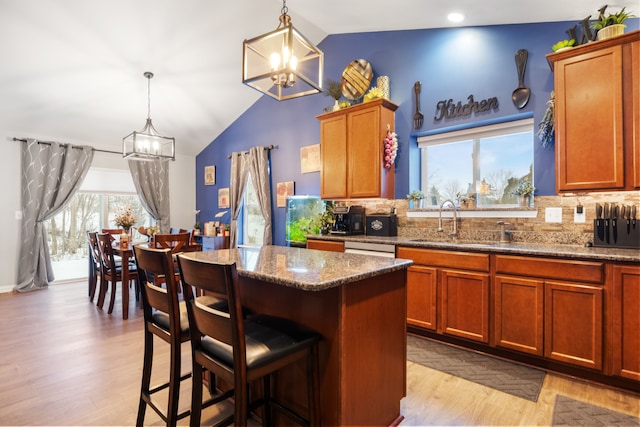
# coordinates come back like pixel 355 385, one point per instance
pixel 465 305
pixel 519 311
pixel 625 308
pixel 421 296
pixel 573 324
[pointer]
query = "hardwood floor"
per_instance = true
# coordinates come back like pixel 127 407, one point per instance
pixel 65 362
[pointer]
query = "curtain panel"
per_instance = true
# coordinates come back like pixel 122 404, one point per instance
pixel 51 174
pixel 151 179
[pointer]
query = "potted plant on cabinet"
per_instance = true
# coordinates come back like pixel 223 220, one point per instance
pixel 610 25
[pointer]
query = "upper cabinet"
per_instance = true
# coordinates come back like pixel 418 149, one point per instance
pixel 352 151
pixel 597 114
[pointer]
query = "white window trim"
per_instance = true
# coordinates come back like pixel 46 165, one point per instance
pixel 516 126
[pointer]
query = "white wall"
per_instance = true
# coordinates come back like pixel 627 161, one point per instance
pixel 182 193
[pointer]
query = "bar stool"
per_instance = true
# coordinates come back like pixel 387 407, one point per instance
pixel 242 351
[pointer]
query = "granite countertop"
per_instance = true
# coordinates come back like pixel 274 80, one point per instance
pixel 310 270
pixel 540 249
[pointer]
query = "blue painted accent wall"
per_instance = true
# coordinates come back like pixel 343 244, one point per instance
pixel 451 63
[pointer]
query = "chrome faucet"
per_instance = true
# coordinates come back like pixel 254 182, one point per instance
pixel 505 236
pixel 454 228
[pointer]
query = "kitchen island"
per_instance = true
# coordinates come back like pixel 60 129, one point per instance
pixel 357 303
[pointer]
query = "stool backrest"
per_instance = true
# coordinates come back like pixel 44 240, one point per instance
pixel 220 281
pixel 176 242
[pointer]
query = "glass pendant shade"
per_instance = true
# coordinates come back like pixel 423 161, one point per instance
pixel 147 144
pixel 282 63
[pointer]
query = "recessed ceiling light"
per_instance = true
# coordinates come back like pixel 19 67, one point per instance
pixel 455 17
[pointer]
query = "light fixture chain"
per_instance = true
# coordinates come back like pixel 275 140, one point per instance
pixel 149 75
pixel 284 9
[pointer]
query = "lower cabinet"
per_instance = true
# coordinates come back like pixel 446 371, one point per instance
pixel 465 304
pixel 422 283
pixel 573 324
pixel 448 292
pixel 519 310
pixel 560 300
pixel 625 331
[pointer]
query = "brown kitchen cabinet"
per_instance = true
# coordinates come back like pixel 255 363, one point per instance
pixel 518 318
pixel 422 283
pixel 625 330
pixel 570 313
pixel 325 245
pixel 352 152
pixel 448 292
pixel 596 114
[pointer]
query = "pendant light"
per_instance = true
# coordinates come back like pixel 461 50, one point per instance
pixel 147 144
pixel 282 63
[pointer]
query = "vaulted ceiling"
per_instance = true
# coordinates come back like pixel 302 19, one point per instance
pixel 72 70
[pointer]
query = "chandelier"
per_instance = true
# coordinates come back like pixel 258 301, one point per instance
pixel 282 63
pixel 147 144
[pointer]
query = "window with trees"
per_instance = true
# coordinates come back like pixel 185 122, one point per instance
pixel 485 163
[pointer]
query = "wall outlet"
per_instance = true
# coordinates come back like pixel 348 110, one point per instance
pixel 553 215
pixel 579 217
pixel 18 215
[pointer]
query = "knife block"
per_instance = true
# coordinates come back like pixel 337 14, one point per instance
pixel 620 233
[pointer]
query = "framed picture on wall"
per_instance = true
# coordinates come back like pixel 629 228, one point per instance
pixel 209 175
pixel 283 189
pixel 310 158
pixel 223 198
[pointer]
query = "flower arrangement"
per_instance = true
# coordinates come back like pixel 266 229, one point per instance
pixel 524 188
pixel 374 93
pixel 333 89
pixel 150 231
pixel 415 195
pixel 125 218
pixel 390 148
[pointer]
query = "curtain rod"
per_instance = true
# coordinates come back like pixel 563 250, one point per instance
pixel 72 146
pixel 269 147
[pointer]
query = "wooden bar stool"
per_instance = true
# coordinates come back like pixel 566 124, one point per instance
pixel 241 351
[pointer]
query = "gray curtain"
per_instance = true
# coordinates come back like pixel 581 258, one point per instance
pixel 51 174
pixel 258 164
pixel 151 179
pixel 237 182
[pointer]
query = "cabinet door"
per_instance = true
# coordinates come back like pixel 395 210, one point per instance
pixel 465 304
pixel 573 324
pixel 635 112
pixel 421 296
pixel 333 152
pixel 625 334
pixel 518 322
pixel 364 153
pixel 589 121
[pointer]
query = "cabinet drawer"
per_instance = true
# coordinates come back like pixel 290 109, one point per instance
pixel 582 271
pixel 325 245
pixel 438 258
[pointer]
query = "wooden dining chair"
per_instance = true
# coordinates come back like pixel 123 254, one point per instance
pixel 95 266
pixel 239 350
pixel 112 230
pixel 112 273
pixel 177 242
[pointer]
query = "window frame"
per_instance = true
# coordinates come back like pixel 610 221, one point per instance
pixel 474 134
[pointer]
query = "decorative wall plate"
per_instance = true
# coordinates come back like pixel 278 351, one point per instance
pixel 356 79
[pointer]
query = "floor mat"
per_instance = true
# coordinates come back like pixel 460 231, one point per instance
pixel 511 378
pixel 569 412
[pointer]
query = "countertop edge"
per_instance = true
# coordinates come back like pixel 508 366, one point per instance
pixel 629 255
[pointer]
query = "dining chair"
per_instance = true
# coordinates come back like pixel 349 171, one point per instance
pixel 165 317
pixel 112 230
pixel 95 266
pixel 177 242
pixel 112 273
pixel 241 351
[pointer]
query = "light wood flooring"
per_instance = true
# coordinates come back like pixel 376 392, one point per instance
pixel 65 362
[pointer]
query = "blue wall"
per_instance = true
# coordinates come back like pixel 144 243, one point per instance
pixel 451 63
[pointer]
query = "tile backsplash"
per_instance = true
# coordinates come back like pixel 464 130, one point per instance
pixel 530 230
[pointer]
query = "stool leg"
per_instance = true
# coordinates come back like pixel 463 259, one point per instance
pixel 266 395
pixel 313 381
pixel 146 377
pixel 196 394
pixel 174 386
